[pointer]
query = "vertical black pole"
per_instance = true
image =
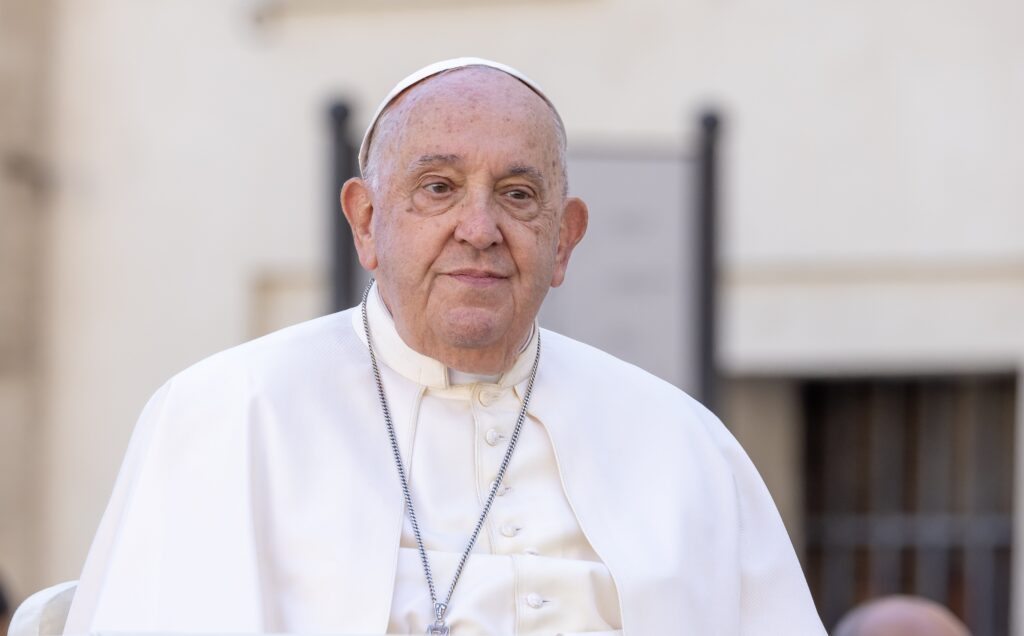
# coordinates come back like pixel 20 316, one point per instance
pixel 343 256
pixel 707 258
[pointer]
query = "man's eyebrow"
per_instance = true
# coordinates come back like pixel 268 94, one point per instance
pixel 522 170
pixel 514 170
pixel 432 160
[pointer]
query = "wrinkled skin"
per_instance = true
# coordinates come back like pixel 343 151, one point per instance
pixel 465 224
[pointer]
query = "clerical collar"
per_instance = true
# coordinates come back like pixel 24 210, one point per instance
pixel 415 366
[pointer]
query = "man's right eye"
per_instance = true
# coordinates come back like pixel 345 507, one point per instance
pixel 437 187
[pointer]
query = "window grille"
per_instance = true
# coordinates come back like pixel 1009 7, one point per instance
pixel 909 490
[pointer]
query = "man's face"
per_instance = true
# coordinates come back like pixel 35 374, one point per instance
pixel 469 224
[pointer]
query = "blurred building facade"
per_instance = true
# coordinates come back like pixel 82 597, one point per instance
pixel 162 196
pixel 24 70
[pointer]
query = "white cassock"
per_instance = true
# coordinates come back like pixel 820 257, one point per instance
pixel 259 494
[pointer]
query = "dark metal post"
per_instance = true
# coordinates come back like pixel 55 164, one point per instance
pixel 344 262
pixel 707 258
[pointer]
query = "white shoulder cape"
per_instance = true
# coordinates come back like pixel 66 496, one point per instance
pixel 258 494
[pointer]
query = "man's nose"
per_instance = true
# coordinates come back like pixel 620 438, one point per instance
pixel 478 221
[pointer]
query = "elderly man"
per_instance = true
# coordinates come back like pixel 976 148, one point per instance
pixel 432 460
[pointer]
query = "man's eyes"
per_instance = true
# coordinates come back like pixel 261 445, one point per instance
pixel 518 194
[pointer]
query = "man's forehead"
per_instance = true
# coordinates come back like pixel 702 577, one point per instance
pixel 458 98
pixel 430 72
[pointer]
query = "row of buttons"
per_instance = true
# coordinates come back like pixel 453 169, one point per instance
pixel 494 437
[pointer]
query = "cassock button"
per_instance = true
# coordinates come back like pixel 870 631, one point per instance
pixel 510 531
pixel 493 437
pixel 535 601
pixel 488 397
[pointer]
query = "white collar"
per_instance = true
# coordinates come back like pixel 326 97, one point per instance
pixel 421 369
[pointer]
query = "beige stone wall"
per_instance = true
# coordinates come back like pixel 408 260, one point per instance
pixel 24 27
pixel 764 415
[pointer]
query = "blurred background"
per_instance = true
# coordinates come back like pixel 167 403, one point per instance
pixel 843 256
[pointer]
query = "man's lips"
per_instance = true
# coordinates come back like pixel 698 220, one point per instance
pixel 481 277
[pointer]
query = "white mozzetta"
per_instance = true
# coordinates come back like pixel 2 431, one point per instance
pixel 258 494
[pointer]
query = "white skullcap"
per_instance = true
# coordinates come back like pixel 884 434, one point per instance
pixel 430 71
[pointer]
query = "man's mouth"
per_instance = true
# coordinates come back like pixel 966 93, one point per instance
pixel 479 277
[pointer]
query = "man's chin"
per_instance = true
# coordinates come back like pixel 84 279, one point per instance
pixel 471 336
pixel 475 328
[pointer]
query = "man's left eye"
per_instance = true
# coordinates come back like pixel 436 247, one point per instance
pixel 519 195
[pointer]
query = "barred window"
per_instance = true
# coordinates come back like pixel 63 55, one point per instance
pixel 909 490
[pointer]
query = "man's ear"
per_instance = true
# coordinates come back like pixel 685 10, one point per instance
pixel 573 226
pixel 357 204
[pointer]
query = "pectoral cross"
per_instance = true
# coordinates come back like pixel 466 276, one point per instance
pixel 438 627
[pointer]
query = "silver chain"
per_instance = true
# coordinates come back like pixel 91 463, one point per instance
pixel 439 625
